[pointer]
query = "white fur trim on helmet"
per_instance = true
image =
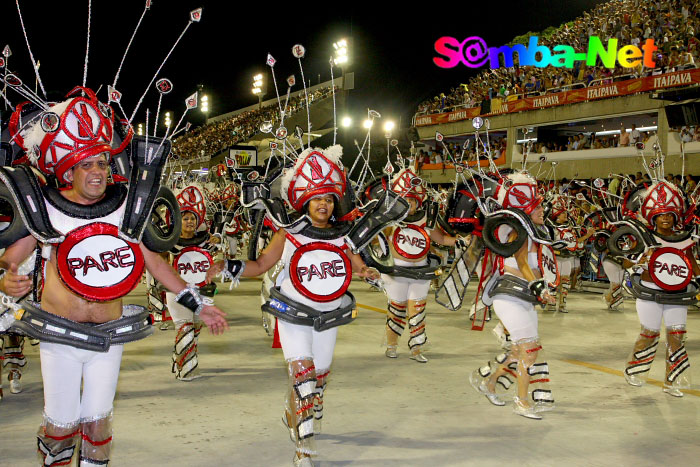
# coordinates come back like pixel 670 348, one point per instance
pixel 69 132
pixel 316 172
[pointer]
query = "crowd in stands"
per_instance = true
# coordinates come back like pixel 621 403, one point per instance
pixel 443 156
pixel 581 141
pixel 673 24
pixel 215 137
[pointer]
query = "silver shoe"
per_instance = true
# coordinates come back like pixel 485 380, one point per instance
pixel 419 357
pixel 632 380
pixel 527 412
pixel 481 388
pixel 671 391
pixel 15 383
pixel 292 433
pixel 302 461
pixel 391 352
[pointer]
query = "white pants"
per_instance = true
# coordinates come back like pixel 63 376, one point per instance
pixel 63 368
pixel 518 316
pixel 614 271
pixel 402 289
pixel 304 341
pixel 566 265
pixel 651 313
pixel 232 245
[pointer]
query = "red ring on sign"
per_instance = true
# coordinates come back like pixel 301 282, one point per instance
pixel 294 276
pixel 405 254
pixel 539 263
pixel 658 281
pixel 198 250
pixel 92 293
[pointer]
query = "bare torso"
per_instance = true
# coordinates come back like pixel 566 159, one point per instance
pixel 57 299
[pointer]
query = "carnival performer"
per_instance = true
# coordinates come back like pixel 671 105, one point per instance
pixel 613 265
pixel 191 258
pixel 516 285
pixel 408 285
pixel 664 281
pixel 311 295
pixel 568 256
pixel 95 246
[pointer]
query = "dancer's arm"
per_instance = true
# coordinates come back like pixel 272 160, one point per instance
pixel 13 283
pixel 163 272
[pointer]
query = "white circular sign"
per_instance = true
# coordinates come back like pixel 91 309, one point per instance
pixel 320 272
pixel 411 242
pixel 100 260
pixel 192 266
pixel 548 265
pixel 669 269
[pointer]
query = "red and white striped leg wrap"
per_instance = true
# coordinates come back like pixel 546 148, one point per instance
pixel 416 326
pixel 97 442
pixel 185 363
pixel 302 379
pixel 321 382
pixel 396 317
pixel 56 450
pixel 676 358
pixel 13 351
pixel 639 362
pixel 616 295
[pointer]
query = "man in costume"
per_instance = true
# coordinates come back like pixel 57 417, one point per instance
pixel 95 241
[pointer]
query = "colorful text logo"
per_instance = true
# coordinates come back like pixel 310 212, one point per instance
pixel 474 53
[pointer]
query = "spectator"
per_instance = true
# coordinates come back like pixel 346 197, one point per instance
pixel 624 136
pixel 635 136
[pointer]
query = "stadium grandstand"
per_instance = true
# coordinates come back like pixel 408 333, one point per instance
pixel 598 112
pixel 239 127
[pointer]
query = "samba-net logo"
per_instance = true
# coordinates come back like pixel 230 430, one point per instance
pixel 474 53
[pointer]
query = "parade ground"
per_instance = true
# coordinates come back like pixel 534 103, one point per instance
pixel 380 411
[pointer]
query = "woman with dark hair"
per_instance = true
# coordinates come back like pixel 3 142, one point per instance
pixel 310 297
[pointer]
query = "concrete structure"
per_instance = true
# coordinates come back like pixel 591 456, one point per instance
pixel 570 163
pixel 383 412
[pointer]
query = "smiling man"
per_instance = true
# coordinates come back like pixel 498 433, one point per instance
pixel 92 259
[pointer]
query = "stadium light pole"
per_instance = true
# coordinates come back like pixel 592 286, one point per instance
pixel 205 104
pixel 258 88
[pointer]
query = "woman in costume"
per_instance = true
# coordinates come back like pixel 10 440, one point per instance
pixel 408 285
pixel 664 282
pixel 515 287
pixel 191 258
pixel 310 298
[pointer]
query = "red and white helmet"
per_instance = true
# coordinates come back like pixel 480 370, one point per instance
pixel 316 172
pixel 519 191
pixel 558 204
pixel 69 132
pixel 191 199
pixel 662 198
pixel 408 184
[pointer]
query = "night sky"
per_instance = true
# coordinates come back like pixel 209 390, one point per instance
pixel 392 47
